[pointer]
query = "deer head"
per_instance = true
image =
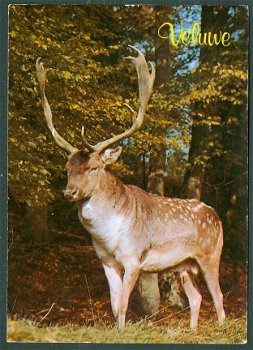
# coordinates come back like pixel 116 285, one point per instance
pixel 84 167
pixel 85 171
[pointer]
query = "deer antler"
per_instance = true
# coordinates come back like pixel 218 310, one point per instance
pixel 146 81
pixel 42 77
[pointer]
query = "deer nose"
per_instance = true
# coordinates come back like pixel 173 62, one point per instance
pixel 73 192
pixel 70 193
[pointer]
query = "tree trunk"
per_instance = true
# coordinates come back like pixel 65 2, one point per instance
pixel 148 284
pixel 199 152
pixel 198 155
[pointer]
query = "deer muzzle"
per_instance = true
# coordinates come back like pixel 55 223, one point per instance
pixel 72 193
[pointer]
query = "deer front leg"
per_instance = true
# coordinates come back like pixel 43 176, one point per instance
pixel 130 277
pixel 114 277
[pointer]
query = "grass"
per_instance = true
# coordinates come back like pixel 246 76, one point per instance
pixel 233 331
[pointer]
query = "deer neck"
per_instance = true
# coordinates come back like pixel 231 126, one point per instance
pixel 100 214
pixel 107 196
pixel 110 189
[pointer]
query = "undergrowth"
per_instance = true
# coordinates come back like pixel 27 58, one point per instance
pixel 231 332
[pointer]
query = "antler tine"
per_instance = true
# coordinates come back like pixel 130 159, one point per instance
pixel 41 73
pixel 146 81
pixel 85 142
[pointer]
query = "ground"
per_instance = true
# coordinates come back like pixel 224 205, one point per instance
pixel 64 282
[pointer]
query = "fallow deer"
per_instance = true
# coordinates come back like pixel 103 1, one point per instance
pixel 132 230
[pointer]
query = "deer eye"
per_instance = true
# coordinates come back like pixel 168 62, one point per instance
pixel 93 169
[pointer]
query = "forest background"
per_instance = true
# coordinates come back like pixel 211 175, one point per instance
pixel 193 143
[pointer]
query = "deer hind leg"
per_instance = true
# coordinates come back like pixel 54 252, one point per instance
pixel 193 296
pixel 211 275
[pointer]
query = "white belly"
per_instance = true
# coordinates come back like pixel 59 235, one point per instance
pixel 164 257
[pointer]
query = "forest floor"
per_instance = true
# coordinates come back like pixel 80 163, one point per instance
pixel 64 283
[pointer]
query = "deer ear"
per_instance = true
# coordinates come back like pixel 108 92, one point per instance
pixel 110 155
